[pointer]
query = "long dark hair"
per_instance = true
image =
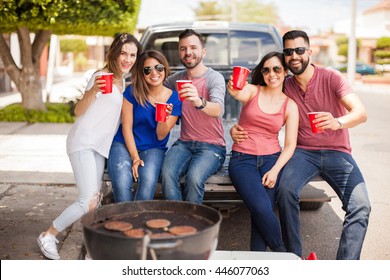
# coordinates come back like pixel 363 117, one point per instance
pixel 115 50
pixel 257 76
pixel 141 88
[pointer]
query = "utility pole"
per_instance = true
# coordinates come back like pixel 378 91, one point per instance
pixel 352 46
pixel 50 68
pixel 233 11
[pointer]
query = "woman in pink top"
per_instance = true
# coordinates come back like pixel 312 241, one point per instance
pixel 257 161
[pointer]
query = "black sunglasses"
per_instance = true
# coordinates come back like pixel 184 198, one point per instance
pixel 159 68
pixel 267 70
pixel 299 51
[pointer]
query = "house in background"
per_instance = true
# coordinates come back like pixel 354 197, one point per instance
pixel 373 23
pixel 67 62
pixel 370 26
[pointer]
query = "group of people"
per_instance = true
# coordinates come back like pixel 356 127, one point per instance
pixel 121 128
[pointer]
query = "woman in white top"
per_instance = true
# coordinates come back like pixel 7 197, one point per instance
pixel 89 141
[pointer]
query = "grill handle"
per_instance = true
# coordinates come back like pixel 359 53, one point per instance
pixel 145 243
pixel 157 246
pixel 162 246
pixel 165 245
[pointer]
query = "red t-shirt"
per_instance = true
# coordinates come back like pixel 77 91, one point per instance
pixel 323 93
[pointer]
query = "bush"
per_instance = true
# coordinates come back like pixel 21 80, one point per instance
pixel 382 54
pixel 73 45
pixel 56 113
pixel 383 43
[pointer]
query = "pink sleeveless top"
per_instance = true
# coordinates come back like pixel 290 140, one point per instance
pixel 263 129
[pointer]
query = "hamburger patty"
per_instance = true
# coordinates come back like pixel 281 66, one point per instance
pixel 136 233
pixel 118 226
pixel 182 230
pixel 158 223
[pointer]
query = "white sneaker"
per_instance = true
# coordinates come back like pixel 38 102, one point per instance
pixel 48 246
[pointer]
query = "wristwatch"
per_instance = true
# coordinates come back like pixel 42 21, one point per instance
pixel 204 103
pixel 341 122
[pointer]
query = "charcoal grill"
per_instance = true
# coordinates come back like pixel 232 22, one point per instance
pixel 105 244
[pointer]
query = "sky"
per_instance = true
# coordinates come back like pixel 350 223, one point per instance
pixel 311 15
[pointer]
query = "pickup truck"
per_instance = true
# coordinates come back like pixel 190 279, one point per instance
pixel 227 44
pixel 219 191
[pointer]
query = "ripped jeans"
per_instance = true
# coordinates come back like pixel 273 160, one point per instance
pixel 198 161
pixel 119 168
pixel 88 168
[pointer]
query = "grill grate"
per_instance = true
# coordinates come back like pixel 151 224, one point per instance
pixel 138 220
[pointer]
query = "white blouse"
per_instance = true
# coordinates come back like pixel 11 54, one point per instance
pixel 96 128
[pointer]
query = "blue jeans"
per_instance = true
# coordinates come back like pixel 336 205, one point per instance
pixel 119 168
pixel 198 161
pixel 245 172
pixel 341 172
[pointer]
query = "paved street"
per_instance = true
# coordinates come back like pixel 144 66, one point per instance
pixel 36 184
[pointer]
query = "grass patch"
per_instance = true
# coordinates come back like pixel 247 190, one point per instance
pixel 56 113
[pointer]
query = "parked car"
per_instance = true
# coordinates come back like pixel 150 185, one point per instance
pixel 227 44
pixel 361 68
pixel 382 67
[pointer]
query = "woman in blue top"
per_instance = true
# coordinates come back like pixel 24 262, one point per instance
pixel 139 146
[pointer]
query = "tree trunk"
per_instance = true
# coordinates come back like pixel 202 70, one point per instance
pixel 30 88
pixel 26 78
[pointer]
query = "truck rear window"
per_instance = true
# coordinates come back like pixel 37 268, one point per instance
pixel 224 50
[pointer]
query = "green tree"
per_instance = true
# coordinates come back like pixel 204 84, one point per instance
pixel 210 10
pixel 342 43
pixel 41 18
pixel 238 10
pixel 78 47
pixel 255 11
pixel 73 45
pixel 382 52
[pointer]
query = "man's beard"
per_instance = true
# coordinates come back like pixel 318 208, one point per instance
pixel 298 71
pixel 191 65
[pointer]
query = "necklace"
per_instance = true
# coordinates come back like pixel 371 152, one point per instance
pixel 159 98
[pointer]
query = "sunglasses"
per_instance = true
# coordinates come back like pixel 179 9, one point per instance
pixel 148 69
pixel 267 70
pixel 299 51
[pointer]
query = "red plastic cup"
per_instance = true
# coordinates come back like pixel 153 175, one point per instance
pixel 240 74
pixel 161 114
pixel 179 84
pixel 312 256
pixel 108 79
pixel 312 117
